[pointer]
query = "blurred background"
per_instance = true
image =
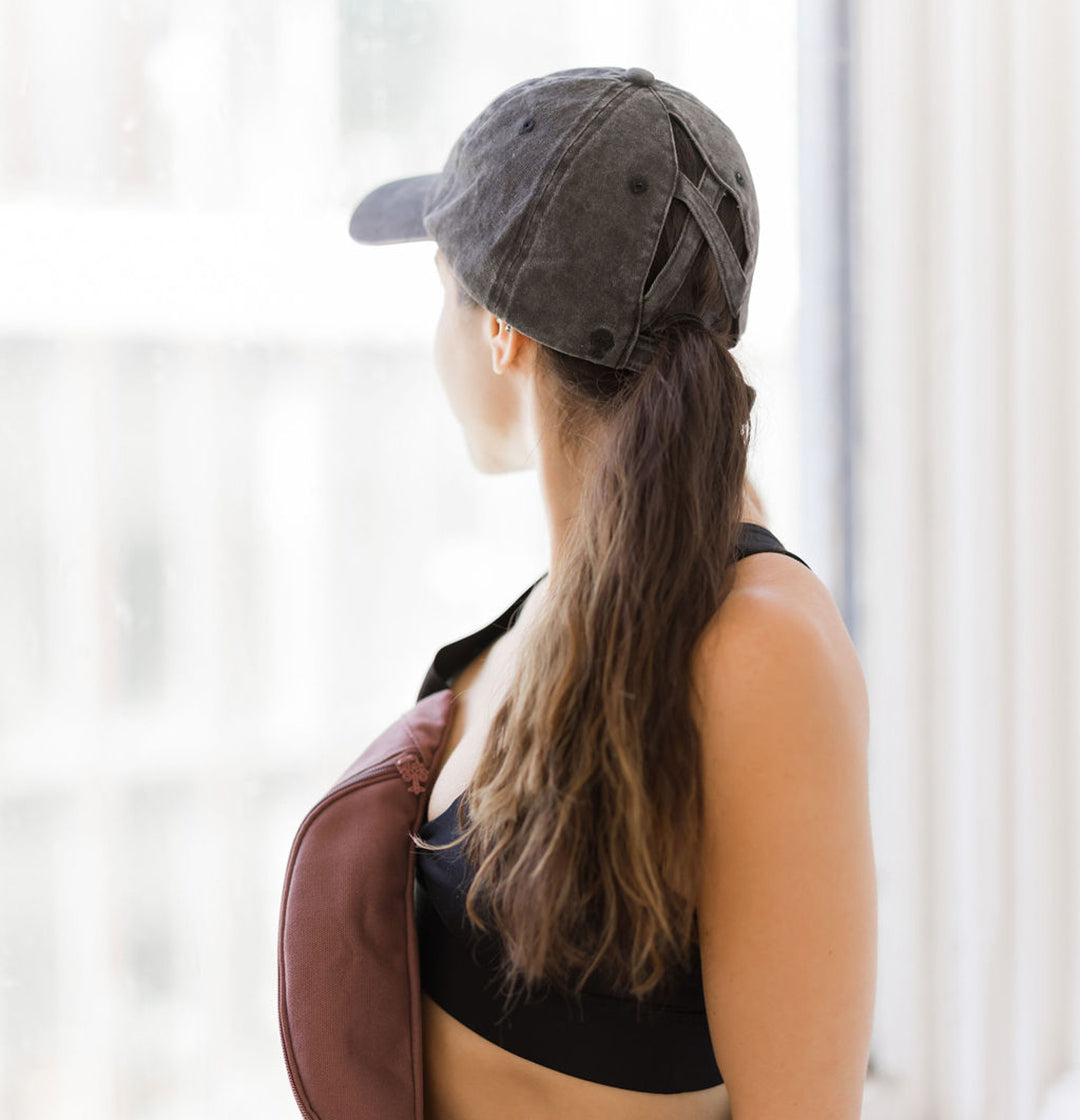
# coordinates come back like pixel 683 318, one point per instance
pixel 237 517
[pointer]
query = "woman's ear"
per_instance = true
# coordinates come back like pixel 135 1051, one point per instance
pixel 504 344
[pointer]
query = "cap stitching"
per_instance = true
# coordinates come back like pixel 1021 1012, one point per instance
pixel 634 341
pixel 553 174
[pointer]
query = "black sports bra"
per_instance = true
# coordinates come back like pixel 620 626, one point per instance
pixel 658 1045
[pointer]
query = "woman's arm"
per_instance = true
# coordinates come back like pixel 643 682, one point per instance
pixel 787 906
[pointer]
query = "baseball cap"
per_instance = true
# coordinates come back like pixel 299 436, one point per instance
pixel 550 205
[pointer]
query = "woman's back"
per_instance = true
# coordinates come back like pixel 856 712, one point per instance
pixel 602 1056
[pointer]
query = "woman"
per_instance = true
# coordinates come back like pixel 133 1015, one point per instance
pixel 647 857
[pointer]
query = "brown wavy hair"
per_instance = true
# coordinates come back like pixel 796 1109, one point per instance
pixel 583 817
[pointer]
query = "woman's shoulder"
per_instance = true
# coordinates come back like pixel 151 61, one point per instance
pixel 779 622
pixel 786 899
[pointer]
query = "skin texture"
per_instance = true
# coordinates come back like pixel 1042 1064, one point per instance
pixel 787 897
pixel 787 902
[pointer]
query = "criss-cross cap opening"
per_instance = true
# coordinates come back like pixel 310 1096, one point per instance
pixel 704 201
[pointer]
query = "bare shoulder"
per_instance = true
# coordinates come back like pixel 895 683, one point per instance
pixel 787 892
pixel 779 617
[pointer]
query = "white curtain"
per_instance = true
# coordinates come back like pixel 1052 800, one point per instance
pixel 967 304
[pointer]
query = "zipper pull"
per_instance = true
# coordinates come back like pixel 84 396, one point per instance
pixel 413 772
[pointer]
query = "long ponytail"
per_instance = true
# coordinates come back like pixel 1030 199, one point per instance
pixel 583 816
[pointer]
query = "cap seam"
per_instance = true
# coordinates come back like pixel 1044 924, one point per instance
pixel 565 160
pixel 628 349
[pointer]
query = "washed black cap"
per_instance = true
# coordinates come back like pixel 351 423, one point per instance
pixel 550 205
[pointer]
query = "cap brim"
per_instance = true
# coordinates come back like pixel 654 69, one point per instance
pixel 393 212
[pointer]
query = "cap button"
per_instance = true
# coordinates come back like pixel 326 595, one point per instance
pixel 639 76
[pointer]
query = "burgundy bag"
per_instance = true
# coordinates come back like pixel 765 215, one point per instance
pixel 348 958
